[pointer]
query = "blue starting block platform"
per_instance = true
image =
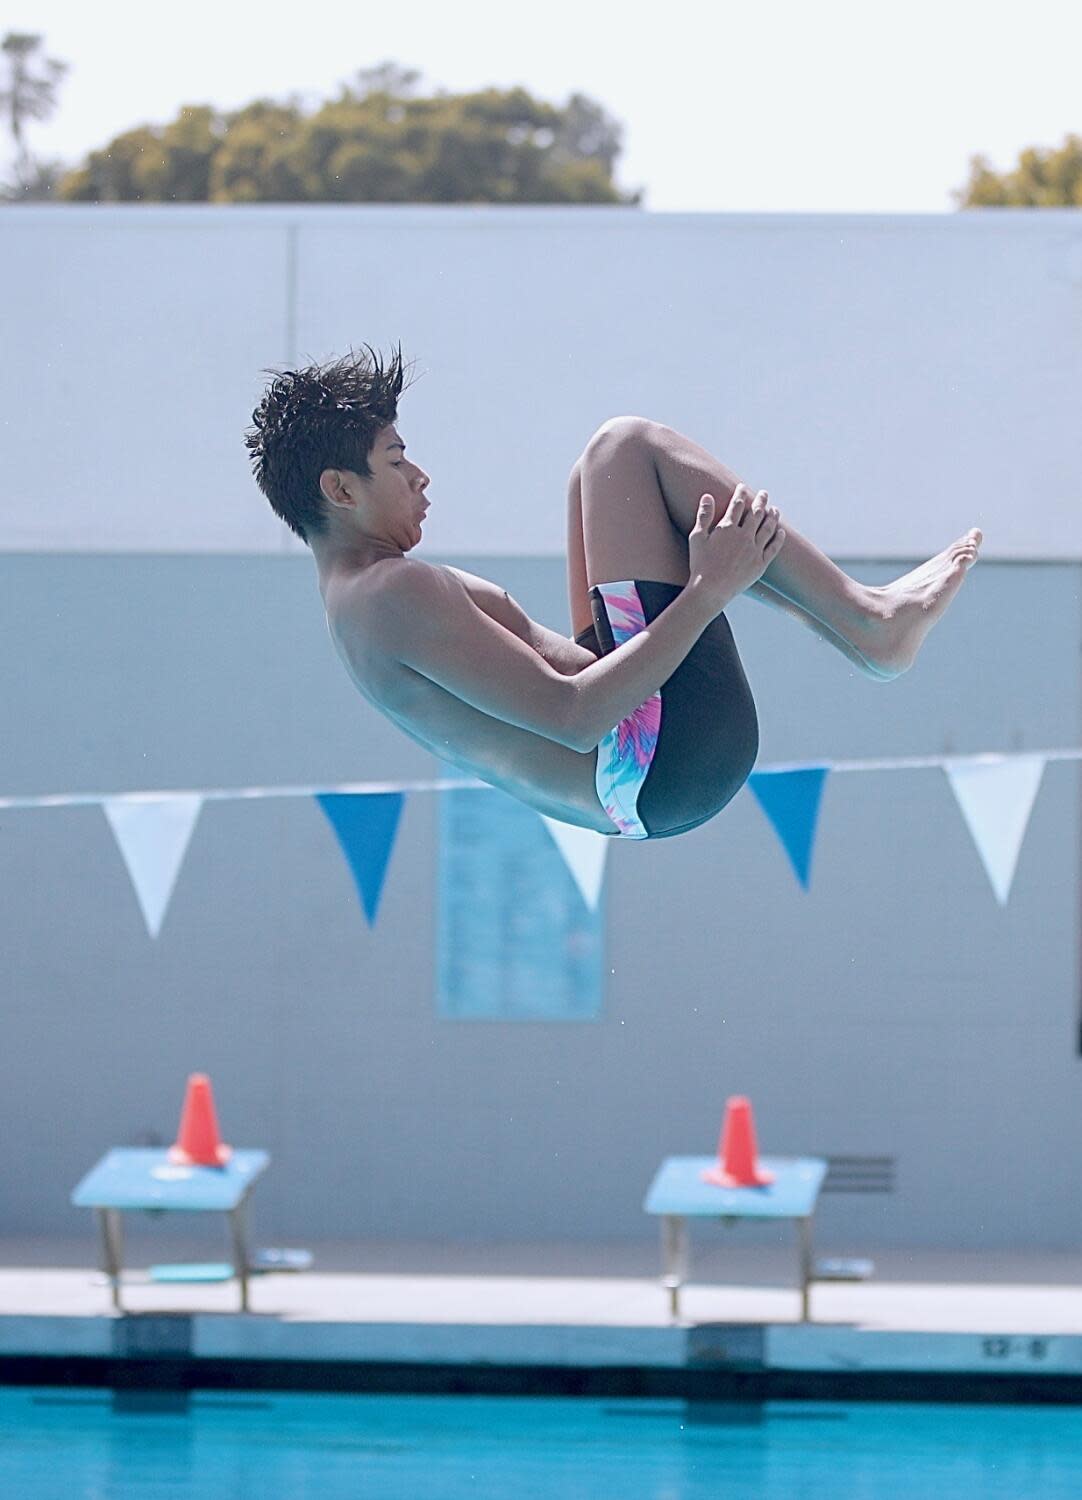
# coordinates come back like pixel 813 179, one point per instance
pixel 131 1177
pixel 679 1192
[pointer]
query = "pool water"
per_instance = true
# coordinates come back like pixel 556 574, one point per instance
pixel 77 1444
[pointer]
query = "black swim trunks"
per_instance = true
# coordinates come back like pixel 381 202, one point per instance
pixel 687 751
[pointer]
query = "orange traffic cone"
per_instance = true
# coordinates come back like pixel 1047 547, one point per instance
pixel 198 1143
pixel 737 1154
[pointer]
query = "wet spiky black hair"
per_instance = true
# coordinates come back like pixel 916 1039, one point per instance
pixel 324 416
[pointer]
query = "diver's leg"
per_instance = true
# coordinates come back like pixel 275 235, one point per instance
pixel 885 625
pixel 767 595
pixel 627 529
pixel 578 597
pixel 630 533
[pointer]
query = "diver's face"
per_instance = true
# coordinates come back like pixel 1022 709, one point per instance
pixel 396 490
pixel 383 513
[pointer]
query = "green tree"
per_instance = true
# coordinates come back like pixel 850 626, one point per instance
pixel 25 95
pixel 380 140
pixel 1043 178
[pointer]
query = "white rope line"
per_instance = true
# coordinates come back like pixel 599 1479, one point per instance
pixel 920 762
pixel 902 763
pixel 229 794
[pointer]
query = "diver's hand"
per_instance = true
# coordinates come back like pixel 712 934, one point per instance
pixel 727 558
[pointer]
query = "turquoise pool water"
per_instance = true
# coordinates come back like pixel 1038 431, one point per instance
pixel 73 1445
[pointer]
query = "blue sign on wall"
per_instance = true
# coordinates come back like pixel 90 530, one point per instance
pixel 515 939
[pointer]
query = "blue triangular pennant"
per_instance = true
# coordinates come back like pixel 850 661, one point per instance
pixel 365 825
pixel 790 800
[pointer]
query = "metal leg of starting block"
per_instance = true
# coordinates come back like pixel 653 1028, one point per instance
pixel 805 1230
pixel 674 1242
pixel 240 1251
pixel 112 1242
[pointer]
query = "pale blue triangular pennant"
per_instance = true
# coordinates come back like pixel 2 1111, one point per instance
pixel 996 796
pixel 152 834
pixel 584 852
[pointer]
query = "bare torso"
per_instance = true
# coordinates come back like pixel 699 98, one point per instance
pixel 545 775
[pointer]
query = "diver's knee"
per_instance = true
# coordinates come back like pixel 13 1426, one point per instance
pixel 621 430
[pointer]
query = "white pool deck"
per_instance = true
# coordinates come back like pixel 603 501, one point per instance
pixel 562 1303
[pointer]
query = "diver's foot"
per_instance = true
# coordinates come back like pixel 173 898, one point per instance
pixel 905 610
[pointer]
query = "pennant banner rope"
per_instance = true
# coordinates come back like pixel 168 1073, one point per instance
pixel 226 794
pixel 994 791
pixel 902 763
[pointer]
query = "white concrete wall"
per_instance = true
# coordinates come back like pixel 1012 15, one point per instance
pixel 891 379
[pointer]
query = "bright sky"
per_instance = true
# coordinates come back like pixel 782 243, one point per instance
pixel 815 106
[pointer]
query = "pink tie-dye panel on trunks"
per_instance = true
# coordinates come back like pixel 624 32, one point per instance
pixel 625 754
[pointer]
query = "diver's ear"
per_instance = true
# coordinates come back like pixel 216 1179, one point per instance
pixel 330 482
